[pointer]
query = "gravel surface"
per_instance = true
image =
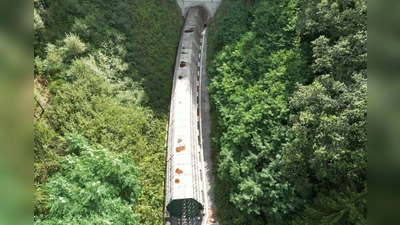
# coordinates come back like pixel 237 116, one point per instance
pixel 206 127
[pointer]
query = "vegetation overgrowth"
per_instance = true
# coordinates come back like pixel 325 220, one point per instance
pixel 103 74
pixel 288 107
pixel 288 91
pixel 96 186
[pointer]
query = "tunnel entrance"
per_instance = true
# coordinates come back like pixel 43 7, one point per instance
pixel 209 6
pixel 204 9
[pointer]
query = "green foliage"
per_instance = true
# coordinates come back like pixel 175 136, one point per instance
pixel 149 31
pixel 73 45
pixel 337 33
pixel 45 140
pixel 109 114
pixel 99 109
pixel 250 88
pixel 95 187
pixel 227 211
pixel 347 206
pixel 103 63
pixel 156 27
pixel 54 67
pixel 38 23
pixel 274 24
pixel 233 25
pixel 289 109
pixel 331 18
pixel 329 132
pixel 230 22
pixel 252 117
pixel 46 162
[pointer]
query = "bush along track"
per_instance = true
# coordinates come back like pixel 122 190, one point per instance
pixel 103 74
pixel 288 97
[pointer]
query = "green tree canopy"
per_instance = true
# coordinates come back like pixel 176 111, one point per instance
pixel 95 186
pixel 347 206
pixel 94 98
pixel 290 101
pixel 251 82
pixel 329 133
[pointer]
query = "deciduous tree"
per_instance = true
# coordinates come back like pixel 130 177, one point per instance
pixel 95 186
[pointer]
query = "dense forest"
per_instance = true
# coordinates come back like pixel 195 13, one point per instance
pixel 102 82
pixel 288 87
